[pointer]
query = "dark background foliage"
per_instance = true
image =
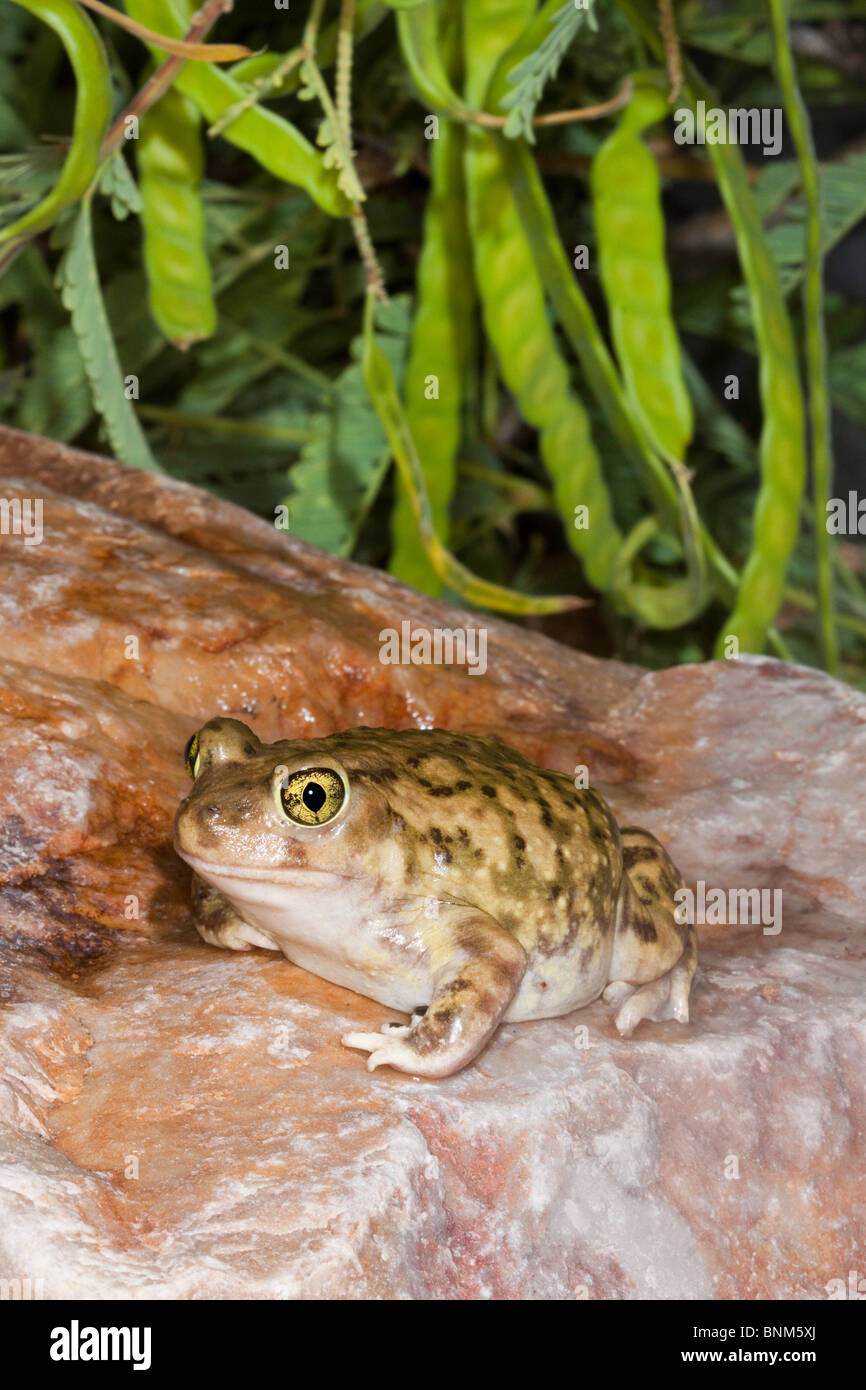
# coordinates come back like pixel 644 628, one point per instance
pixel 272 406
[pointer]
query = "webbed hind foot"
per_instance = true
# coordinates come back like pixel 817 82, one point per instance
pixel 666 997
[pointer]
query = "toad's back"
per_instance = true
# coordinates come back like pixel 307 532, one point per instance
pixel 541 856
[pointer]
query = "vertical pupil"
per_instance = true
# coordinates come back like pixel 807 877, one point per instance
pixel 314 797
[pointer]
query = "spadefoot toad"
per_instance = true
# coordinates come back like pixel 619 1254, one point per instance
pixel 441 874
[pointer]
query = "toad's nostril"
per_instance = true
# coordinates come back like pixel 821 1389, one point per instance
pixel 211 810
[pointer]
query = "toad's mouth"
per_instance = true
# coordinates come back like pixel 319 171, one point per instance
pixel 268 874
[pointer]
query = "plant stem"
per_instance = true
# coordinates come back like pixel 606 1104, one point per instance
pixel 673 56
pixel 576 113
pixel 343 79
pixel 801 598
pixel 315 79
pixel 813 310
pixel 182 48
pixel 221 424
pixel 259 89
pixel 161 80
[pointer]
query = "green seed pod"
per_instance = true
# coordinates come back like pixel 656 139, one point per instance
pixel 442 342
pixel 86 53
pixel 170 166
pixel 630 227
pixel 443 334
pixel 277 145
pixel 515 314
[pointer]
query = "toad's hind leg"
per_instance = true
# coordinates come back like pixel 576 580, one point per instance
pixel 654 955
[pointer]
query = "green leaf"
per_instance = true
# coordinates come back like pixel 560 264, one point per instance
pixel 26 176
pixel 777 179
pixel 345 461
pixel 743 38
pixel 848 382
pixel 701 308
pixel 78 279
pixel 843 200
pixel 530 77
pixel 118 184
pixel 56 401
pixel 716 426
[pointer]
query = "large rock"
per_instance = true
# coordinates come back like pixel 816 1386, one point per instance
pixel 177 1121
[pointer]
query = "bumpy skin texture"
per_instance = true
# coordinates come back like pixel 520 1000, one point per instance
pixel 456 882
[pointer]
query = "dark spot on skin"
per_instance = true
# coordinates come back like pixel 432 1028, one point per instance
pixel 555 890
pixel 639 920
pixel 519 842
pixel 479 854
pixel 463 835
pixel 560 857
pixel 249 750
pixel 423 782
pixel 415 762
pixel 398 824
pixel 646 888
pixel 442 791
pixel 546 817
pixel 637 854
pixel 599 834
pixel 422 839
pixel 489 791
pixel 575 923
pixel 542 984
pixel 669 882
pixel 435 834
pixel 442 857
pixel 463 786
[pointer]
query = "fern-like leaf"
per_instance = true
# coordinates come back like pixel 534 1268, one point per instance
pixel 78 279
pixel 337 156
pixel 530 77
pixel 345 461
pixel 118 184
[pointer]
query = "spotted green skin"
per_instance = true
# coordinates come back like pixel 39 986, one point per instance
pixel 457 880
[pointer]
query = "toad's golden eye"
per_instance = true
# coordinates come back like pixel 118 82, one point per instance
pixel 311 797
pixel 190 756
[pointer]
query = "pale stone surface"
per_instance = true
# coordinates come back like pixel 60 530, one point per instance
pixel 181 1122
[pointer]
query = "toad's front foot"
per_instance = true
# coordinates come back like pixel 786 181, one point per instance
pixel 218 924
pixel 485 967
